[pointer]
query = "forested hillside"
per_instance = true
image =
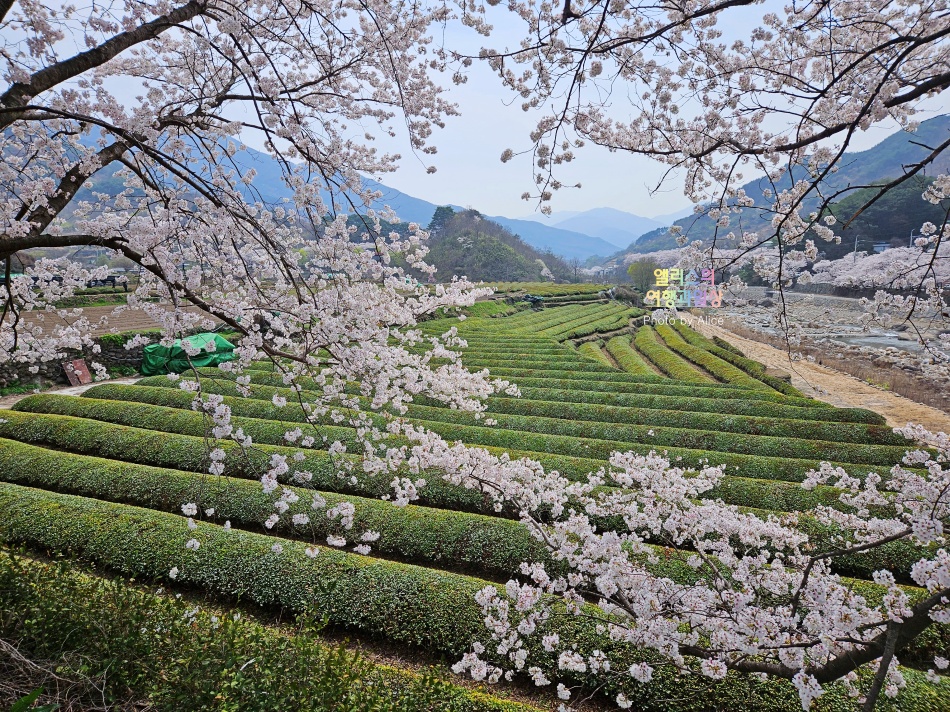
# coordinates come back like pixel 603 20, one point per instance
pixel 466 243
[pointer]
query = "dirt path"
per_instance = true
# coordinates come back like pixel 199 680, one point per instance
pixel 830 386
pixel 9 401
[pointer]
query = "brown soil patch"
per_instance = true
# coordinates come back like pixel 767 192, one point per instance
pixel 128 320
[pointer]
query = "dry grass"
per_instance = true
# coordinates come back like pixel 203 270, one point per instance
pixel 20 676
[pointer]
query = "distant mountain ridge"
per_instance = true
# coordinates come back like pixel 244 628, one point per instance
pixel 617 227
pixel 269 187
pixel 601 231
pixel 884 160
pixel 566 243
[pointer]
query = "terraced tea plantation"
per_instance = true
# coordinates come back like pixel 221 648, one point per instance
pixel 102 478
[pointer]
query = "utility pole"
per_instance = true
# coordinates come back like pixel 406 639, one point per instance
pixel 855 253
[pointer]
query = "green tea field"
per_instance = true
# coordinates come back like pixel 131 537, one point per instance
pixel 99 480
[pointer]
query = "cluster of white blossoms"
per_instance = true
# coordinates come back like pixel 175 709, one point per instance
pixel 765 598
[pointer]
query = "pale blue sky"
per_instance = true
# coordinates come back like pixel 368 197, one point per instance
pixel 470 172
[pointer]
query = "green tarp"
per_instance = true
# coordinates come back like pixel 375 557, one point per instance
pixel 158 359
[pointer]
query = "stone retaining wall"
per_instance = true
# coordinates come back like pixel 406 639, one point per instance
pixel 51 372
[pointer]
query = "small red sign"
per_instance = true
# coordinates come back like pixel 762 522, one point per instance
pixel 77 372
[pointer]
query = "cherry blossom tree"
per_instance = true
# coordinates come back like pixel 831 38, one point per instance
pixel 674 81
pixel 680 83
pixel 123 127
pixel 205 76
pixel 763 597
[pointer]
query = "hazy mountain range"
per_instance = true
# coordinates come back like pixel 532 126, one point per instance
pixel 617 227
pixel 600 231
pixel 608 232
pixel 885 160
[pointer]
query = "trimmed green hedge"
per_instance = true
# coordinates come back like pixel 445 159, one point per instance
pixel 539 320
pixel 596 439
pixel 767 494
pixel 619 382
pixel 483 545
pixel 491 308
pixel 536 319
pixel 702 404
pixel 721 422
pixel 495 351
pixel 480 544
pixel 567 298
pixel 722 343
pixel 722 370
pixel 477 339
pixel 403 603
pixel 548 289
pixel 518 443
pixel 660 356
pixel 188 452
pixel 733 356
pixel 605 324
pixel 738 434
pixel 156 447
pixel 573 365
pixel 208 660
pixel 601 379
pixel 586 315
pixel 628 359
pixel 593 351
pixel 713 442
pixel 399 602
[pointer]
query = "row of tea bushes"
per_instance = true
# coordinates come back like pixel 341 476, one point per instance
pixel 558 372
pixel 592 351
pixel 723 370
pixel 782 496
pixel 714 421
pixel 540 362
pixel 598 326
pixel 674 439
pixel 119 634
pixel 547 289
pixel 668 362
pixel 573 298
pixel 658 437
pixel 519 443
pixel 188 452
pixel 701 403
pixel 656 385
pixel 535 321
pixel 732 355
pixel 483 545
pixel 559 320
pixel 440 538
pixel 627 357
pixel 405 604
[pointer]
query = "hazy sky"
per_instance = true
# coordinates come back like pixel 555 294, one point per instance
pixel 470 172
